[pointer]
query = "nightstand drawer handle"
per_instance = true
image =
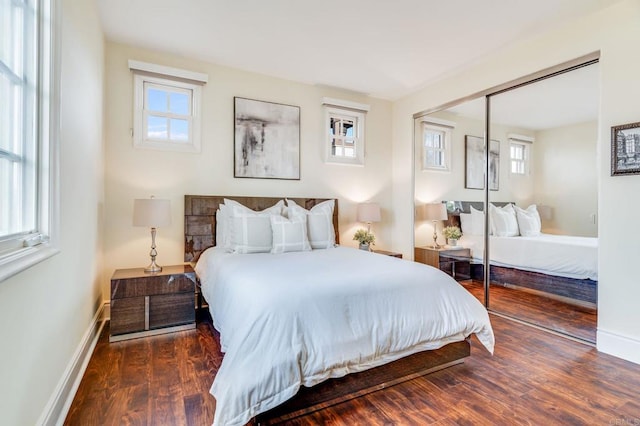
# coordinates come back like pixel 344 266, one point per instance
pixel 146 312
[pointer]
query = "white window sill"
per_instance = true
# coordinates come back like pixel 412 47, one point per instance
pixel 23 259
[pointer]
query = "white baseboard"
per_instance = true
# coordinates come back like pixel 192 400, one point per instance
pixel 58 405
pixel 620 346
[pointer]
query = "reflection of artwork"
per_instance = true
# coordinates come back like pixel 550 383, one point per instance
pixel 625 149
pixel 475 163
pixel 267 140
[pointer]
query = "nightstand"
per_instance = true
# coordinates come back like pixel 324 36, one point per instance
pixel 144 304
pixel 389 253
pixel 455 262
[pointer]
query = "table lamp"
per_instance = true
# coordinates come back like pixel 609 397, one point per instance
pixel 435 212
pixel 367 213
pixel 152 213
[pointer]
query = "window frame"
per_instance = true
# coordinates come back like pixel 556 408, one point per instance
pixel 345 110
pixel 525 142
pixel 24 249
pixel 175 80
pixel 446 132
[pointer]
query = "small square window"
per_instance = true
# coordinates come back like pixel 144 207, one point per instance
pixel 436 141
pixel 519 156
pixel 166 110
pixel 345 136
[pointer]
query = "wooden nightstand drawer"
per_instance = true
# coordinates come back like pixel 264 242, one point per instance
pixel 171 309
pixel 454 262
pixel 145 304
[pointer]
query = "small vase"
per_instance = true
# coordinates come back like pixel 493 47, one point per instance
pixel 452 241
pixel 364 246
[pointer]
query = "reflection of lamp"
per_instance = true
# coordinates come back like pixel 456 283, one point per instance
pixel 152 213
pixel 368 212
pixel 435 212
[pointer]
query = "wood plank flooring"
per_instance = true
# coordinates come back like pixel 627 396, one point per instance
pixel 533 378
pixel 576 321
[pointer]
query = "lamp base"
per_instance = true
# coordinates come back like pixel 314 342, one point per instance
pixel 153 268
pixel 435 238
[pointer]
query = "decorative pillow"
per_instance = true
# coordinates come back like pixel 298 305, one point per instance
pixel 319 223
pixel 528 221
pixel 249 231
pixel 221 227
pixel 466 224
pixel 289 234
pixel 503 221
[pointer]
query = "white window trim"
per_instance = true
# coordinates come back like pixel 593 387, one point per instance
pixel 172 77
pixel 526 142
pixel 438 125
pixel 345 109
pixel 18 255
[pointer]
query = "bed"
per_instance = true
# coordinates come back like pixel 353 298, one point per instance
pixel 302 330
pixel 559 266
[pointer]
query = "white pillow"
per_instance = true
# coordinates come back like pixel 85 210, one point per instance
pixel 249 231
pixel 477 222
pixel 319 223
pixel 528 221
pixel 289 234
pixel 466 223
pixel 503 221
pixel 221 227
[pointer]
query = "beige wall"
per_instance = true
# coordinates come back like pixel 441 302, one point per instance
pixel 566 178
pixel 135 173
pixel 46 310
pixel 616 34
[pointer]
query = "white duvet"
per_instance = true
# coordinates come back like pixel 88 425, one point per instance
pixel 561 255
pixel 299 318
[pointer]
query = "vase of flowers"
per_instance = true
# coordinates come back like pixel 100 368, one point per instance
pixel 365 238
pixel 452 234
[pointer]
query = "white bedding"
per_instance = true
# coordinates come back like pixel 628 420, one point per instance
pixel 300 318
pixel 561 255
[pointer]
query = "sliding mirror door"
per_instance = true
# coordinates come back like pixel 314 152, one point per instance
pixel 544 202
pixel 447 160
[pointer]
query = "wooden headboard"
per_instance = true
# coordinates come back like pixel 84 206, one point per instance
pixel 200 218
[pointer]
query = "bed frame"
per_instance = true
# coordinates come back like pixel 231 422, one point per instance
pixel 582 292
pixel 200 229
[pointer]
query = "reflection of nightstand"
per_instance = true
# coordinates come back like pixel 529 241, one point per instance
pixel 144 304
pixel 389 253
pixel 454 262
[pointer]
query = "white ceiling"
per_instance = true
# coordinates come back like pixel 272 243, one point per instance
pixel 562 100
pixel 382 48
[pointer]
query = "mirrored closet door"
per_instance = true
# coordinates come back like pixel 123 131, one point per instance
pixel 543 211
pixel 542 193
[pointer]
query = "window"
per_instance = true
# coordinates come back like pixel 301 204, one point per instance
pixel 27 142
pixel 345 123
pixel 435 147
pixel 435 137
pixel 167 107
pixel 519 147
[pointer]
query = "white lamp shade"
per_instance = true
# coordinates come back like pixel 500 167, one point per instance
pixel 151 212
pixel 435 211
pixel 368 212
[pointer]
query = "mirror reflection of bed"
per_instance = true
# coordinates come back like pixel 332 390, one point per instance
pixel 548 133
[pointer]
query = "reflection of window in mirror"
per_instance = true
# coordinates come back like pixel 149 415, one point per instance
pixel 520 154
pixel 436 145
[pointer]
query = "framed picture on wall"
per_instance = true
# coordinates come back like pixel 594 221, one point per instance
pixel 475 163
pixel 266 140
pixel 625 149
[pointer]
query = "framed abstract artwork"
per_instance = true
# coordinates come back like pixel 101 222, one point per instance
pixel 266 140
pixel 475 163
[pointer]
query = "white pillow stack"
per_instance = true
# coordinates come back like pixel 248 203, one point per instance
pixel 242 230
pixel 319 222
pixel 503 221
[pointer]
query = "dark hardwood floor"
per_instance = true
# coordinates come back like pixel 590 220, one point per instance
pixel 573 320
pixel 533 378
